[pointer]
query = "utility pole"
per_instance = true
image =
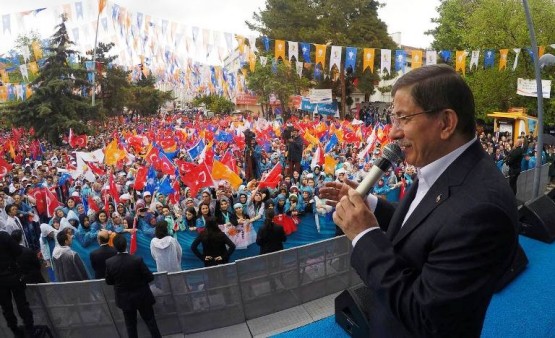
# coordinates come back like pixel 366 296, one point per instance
pixel 343 91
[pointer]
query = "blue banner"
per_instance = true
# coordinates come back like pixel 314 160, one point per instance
pixel 323 108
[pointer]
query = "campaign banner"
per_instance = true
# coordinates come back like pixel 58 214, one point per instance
pixel 319 108
pixel 246 99
pixel 320 96
pixel 526 87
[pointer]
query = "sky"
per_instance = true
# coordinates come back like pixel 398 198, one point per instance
pixel 408 17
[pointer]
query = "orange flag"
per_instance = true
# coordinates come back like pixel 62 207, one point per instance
pixel 320 55
pixel 460 63
pixel 416 59
pixel 368 61
pixel 503 54
pixel 541 51
pixel 222 172
pixel 280 49
pixel 329 164
pixel 101 5
pixel 112 153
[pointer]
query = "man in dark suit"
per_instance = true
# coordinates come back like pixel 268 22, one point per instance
pixel 514 159
pixel 28 262
pixel 130 277
pixel 433 261
pixel 100 255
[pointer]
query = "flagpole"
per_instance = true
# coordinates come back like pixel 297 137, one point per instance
pixel 94 59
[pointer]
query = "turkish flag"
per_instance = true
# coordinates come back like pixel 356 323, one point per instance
pixel 273 177
pixel 133 242
pixel 152 155
pixel 5 167
pixel 40 197
pixel 140 179
pixel 92 204
pixel 173 198
pixel 164 165
pixel 199 177
pixel 113 189
pixel 229 161
pixel 51 203
pixel 77 141
pixel 184 166
pixel 96 169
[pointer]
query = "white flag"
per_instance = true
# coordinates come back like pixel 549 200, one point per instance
pixel 474 59
pixel 26 53
pixel 386 60
pixel 252 43
pixel 431 57
pixel 517 52
pixel 293 50
pixel 263 60
pixel 335 57
pixel 299 66
pixel 24 73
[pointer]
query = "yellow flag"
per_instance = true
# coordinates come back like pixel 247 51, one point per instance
pixel 4 75
pixel 416 58
pixel 320 55
pixel 339 134
pixel 541 51
pixel 460 63
pixel 241 41
pixel 310 138
pixel 33 68
pixel 101 5
pixel 3 94
pixel 329 164
pixel 28 91
pixel 368 61
pixel 222 172
pixel 503 54
pixel 36 50
pixel 112 153
pixel 252 61
pixel 280 49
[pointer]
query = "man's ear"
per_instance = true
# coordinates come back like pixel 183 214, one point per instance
pixel 449 121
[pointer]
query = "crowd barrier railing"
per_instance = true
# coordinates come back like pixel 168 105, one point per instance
pixel 202 299
pixel 525 183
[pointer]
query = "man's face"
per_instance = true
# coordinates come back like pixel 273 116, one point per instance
pixel 419 135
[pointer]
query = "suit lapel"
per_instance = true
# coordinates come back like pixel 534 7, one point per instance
pixel 454 175
pixel 399 215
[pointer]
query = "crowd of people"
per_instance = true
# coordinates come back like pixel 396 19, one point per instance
pixel 95 209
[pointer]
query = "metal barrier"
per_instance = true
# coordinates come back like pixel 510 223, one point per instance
pixel 202 299
pixel 525 183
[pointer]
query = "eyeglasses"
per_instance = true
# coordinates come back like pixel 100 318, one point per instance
pixel 399 121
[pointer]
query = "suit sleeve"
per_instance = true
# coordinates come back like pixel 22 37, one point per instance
pixel 194 248
pixel 467 257
pixel 149 277
pixel 109 278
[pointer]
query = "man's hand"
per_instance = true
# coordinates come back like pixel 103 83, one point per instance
pixel 333 191
pixel 352 214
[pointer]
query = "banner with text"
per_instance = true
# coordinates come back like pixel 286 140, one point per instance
pixel 526 87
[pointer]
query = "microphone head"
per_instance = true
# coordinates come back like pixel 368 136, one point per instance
pixel 393 153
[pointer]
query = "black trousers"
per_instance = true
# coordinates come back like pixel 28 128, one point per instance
pixel 147 314
pixel 10 287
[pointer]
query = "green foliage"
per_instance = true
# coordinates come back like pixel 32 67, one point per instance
pixel 113 81
pixel 217 104
pixel 146 100
pixel 496 24
pixel 353 23
pixel 57 104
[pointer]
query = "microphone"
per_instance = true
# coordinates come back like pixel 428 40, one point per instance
pixel 391 154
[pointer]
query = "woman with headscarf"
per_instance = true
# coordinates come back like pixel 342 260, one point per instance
pixel 203 215
pixel 102 222
pixel 271 236
pixel 216 246
pixel 245 234
pixel 84 234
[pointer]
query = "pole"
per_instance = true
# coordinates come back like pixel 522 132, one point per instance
pixel 343 89
pixel 94 60
pixel 539 92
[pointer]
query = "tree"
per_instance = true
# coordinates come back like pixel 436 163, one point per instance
pixel 496 24
pixel 333 22
pixel 144 99
pixel 215 103
pixel 113 80
pixel 57 103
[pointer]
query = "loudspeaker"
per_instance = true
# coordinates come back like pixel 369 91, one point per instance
pixel 537 219
pixel 551 194
pixel 351 311
pixel 517 266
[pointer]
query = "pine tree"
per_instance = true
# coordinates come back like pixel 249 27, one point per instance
pixel 58 103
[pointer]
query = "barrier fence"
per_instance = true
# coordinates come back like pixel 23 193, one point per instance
pixel 203 299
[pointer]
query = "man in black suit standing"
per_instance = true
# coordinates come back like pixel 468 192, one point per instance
pixel 432 262
pixel 28 262
pixel 130 277
pixel 514 159
pixel 100 255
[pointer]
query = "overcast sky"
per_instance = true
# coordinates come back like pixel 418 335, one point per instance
pixel 409 17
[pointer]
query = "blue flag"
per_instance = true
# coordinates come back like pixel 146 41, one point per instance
pixel 195 151
pixel 331 143
pixel 318 72
pixel 151 181
pixel 445 55
pixel 223 136
pixel 266 41
pixel 400 60
pixel 489 58
pixel 305 48
pixel 165 187
pixel 350 58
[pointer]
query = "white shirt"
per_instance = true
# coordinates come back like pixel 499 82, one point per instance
pixel 427 176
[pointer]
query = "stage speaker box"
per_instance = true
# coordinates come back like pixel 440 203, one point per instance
pixel 537 219
pixel 351 311
pixel 551 194
pixel 517 266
